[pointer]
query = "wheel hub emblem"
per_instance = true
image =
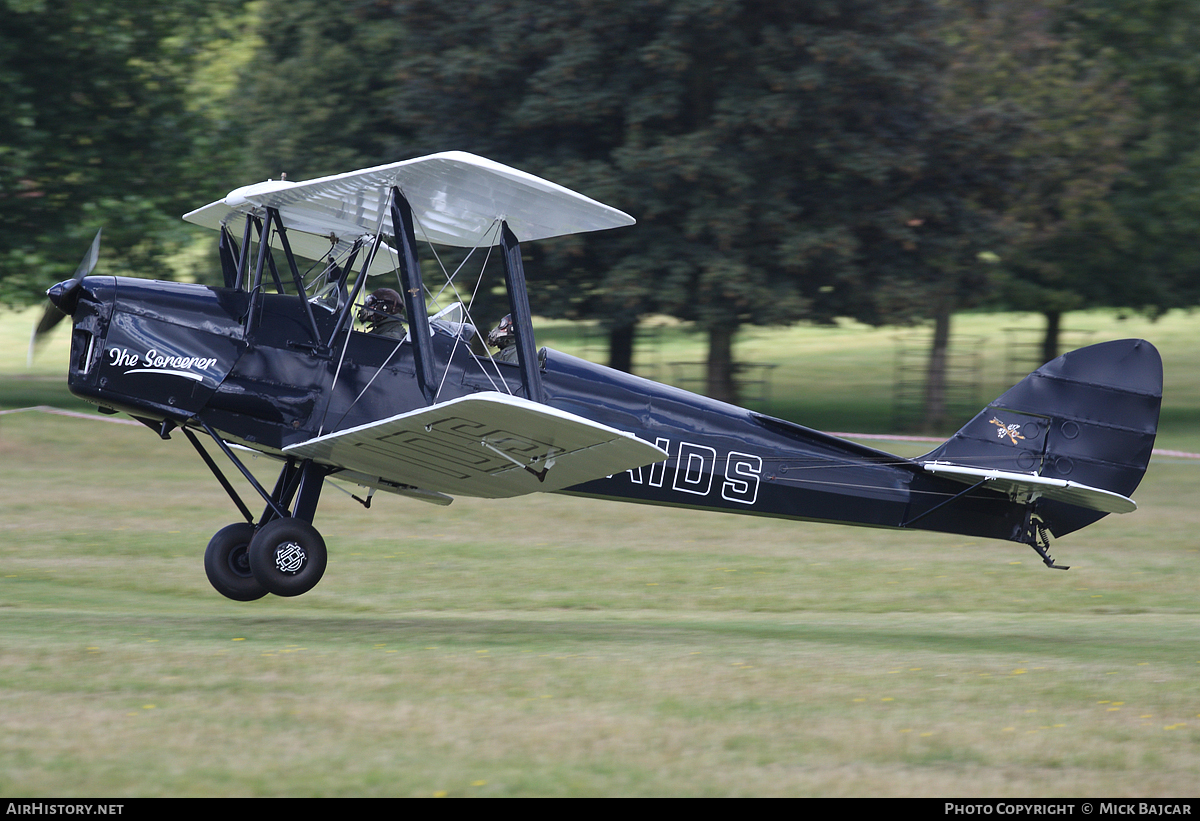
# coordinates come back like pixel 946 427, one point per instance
pixel 290 557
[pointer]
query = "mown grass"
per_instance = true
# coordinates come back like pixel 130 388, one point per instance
pixel 558 646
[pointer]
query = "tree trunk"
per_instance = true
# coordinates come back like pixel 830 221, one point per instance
pixel 620 347
pixel 719 383
pixel 1050 340
pixel 935 374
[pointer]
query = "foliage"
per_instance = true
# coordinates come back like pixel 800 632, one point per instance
pixel 95 131
pixel 1076 119
pixel 313 99
pixel 784 161
pixel 1152 44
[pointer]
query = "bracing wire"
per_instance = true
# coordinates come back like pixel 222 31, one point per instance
pixel 491 233
pixel 377 240
pixel 450 277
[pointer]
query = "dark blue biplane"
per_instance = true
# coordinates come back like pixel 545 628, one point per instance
pixel 273 362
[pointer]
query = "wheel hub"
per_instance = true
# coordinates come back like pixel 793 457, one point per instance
pixel 290 557
pixel 287 556
pixel 239 562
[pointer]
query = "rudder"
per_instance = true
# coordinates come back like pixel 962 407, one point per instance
pixel 1090 416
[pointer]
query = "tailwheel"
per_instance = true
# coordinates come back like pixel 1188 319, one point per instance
pixel 287 557
pixel 1037 535
pixel 227 563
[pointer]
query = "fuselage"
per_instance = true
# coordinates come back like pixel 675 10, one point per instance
pixel 170 351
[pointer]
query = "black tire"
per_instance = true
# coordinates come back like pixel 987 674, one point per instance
pixel 287 557
pixel 227 563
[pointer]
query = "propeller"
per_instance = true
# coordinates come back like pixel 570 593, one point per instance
pixel 63 297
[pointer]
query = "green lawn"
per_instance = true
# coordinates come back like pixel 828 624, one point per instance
pixel 558 646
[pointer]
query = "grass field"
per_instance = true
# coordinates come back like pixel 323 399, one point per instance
pixel 557 646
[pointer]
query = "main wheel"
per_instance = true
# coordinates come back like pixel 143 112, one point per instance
pixel 227 563
pixel 287 557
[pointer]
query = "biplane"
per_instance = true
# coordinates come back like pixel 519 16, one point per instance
pixel 273 362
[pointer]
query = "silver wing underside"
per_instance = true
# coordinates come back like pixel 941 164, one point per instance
pixel 489 445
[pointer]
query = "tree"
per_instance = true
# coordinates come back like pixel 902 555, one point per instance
pixel 315 99
pixel 1152 44
pixel 1074 119
pixel 1105 211
pixel 94 131
pixel 784 161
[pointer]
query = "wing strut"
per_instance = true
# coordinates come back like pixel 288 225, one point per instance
pixel 244 255
pixel 414 293
pixel 256 286
pixel 518 303
pixel 273 216
pixel 229 253
pixel 348 310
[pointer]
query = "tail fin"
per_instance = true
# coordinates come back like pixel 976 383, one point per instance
pixel 1088 417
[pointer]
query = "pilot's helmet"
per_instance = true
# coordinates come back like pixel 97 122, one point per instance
pixel 381 302
pixel 503 334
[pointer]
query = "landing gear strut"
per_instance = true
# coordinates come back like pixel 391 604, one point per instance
pixel 282 553
pixel 1035 534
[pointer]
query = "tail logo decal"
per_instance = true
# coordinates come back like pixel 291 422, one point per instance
pixel 1013 432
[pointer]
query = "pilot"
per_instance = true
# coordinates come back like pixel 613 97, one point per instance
pixel 504 337
pixel 382 313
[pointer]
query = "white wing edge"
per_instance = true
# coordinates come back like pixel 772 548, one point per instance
pixel 492 396
pixel 1032 485
pixel 393 174
pixel 364 480
pixel 592 449
pixel 447 168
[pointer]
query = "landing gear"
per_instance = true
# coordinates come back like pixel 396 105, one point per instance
pixel 227 563
pixel 1035 534
pixel 282 553
pixel 287 557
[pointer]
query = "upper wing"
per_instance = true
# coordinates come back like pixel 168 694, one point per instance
pixel 1031 486
pixel 489 444
pixel 456 198
pixel 307 246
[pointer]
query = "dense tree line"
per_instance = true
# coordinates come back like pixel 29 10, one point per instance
pixel 891 160
pixel 785 161
pixel 97 128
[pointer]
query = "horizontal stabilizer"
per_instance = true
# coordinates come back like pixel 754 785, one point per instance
pixel 1026 487
pixel 490 445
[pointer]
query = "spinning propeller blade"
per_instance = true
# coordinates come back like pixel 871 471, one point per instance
pixel 62 297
